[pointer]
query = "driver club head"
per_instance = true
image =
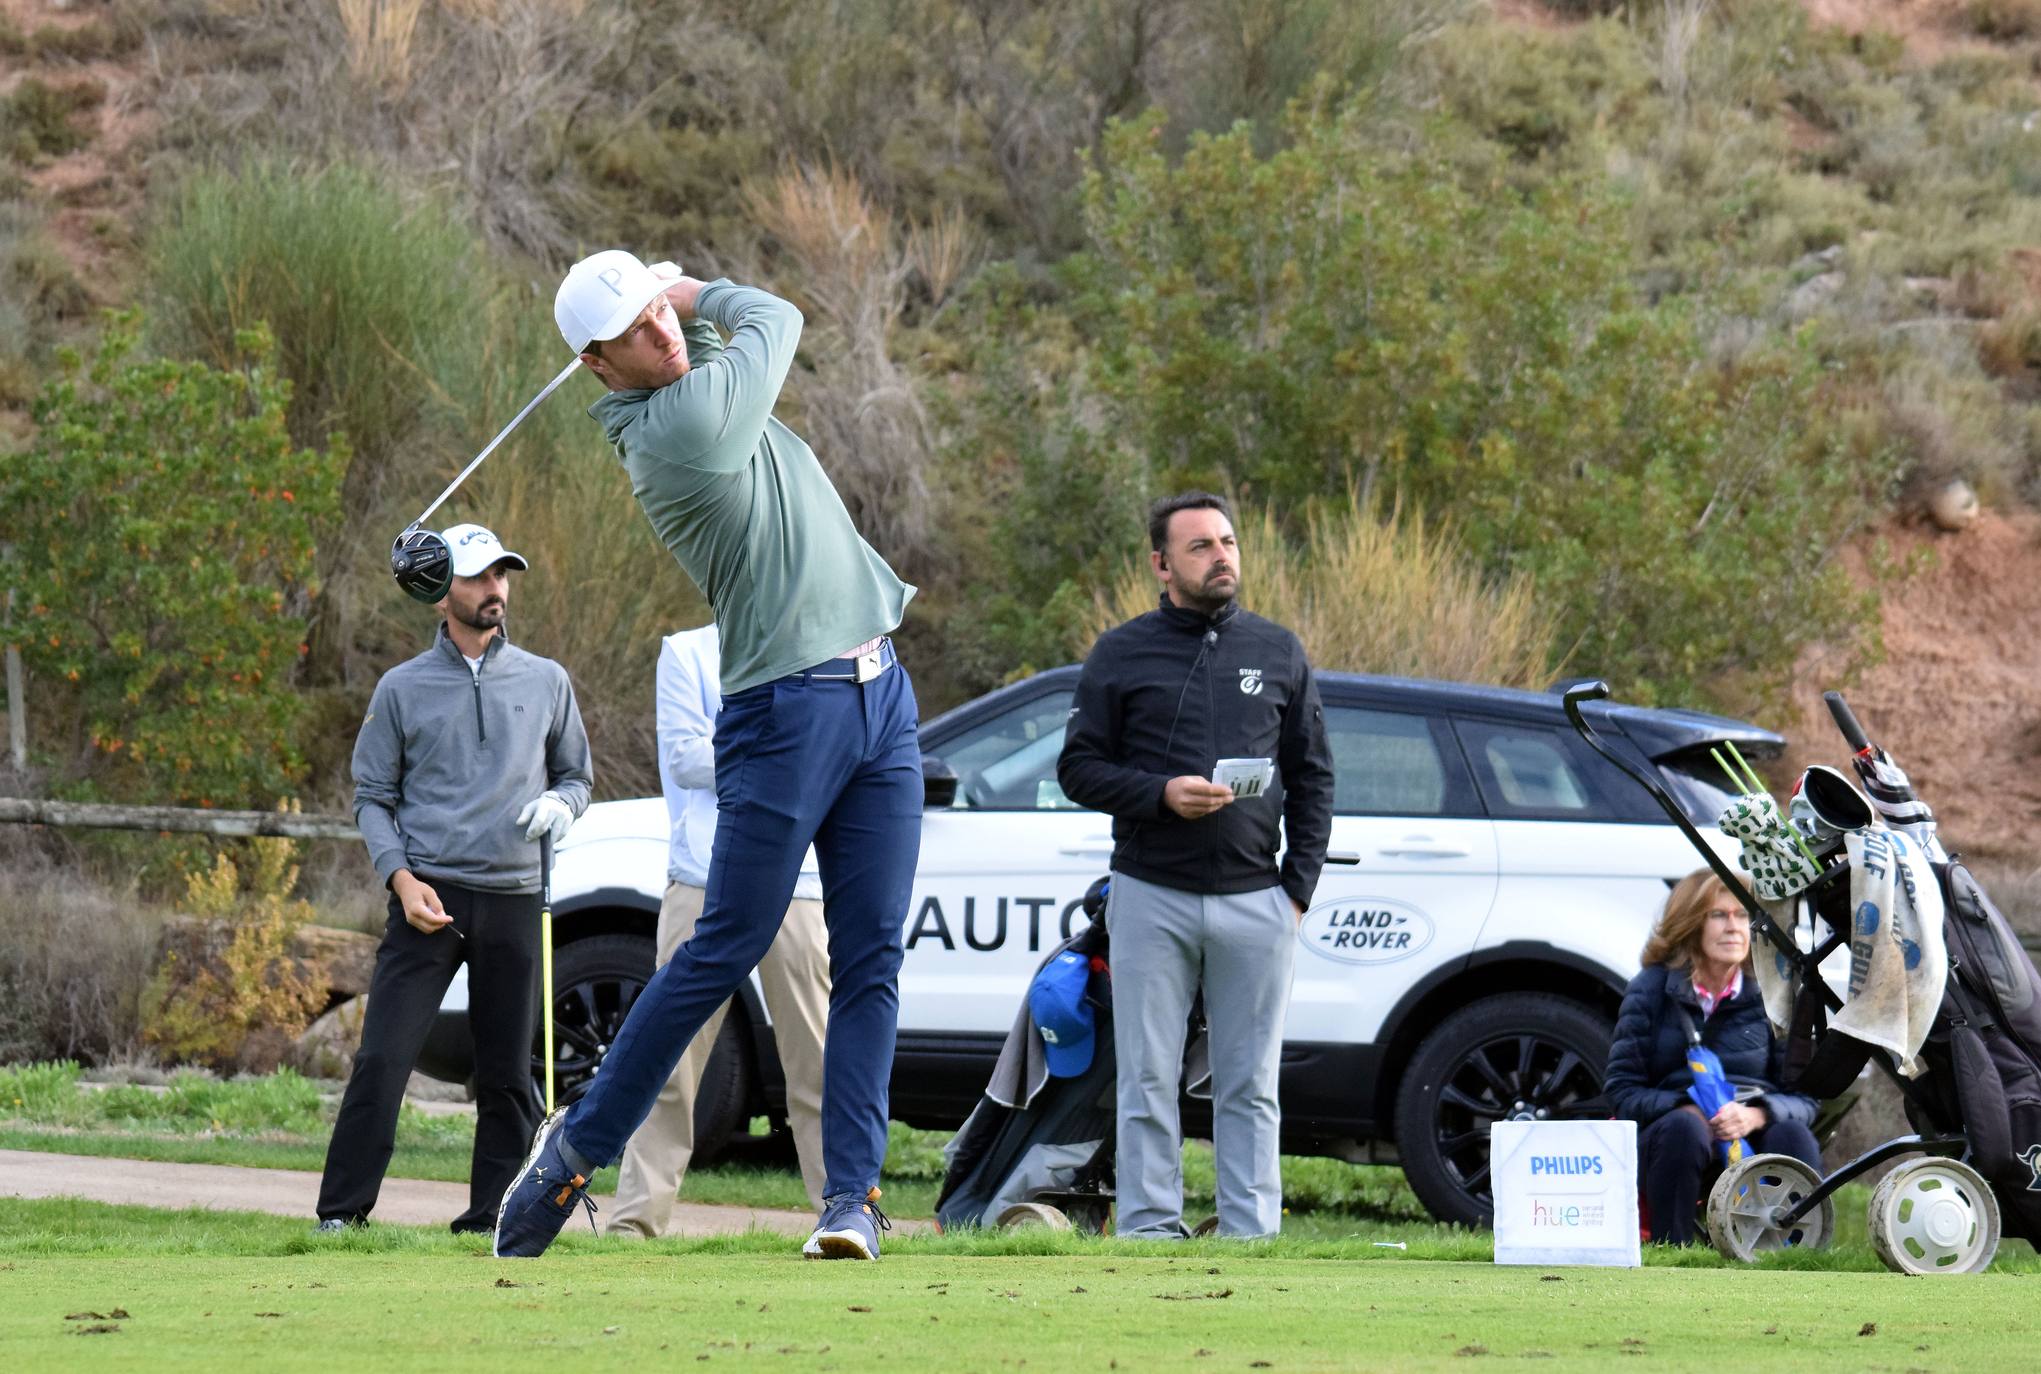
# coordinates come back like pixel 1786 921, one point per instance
pixel 422 564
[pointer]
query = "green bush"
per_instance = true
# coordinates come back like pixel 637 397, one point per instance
pixel 39 120
pixel 43 1092
pixel 2006 20
pixel 360 291
pixel 1282 325
pixel 165 590
pixel 235 997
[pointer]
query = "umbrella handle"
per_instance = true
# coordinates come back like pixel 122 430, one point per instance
pixel 1846 721
pixel 546 954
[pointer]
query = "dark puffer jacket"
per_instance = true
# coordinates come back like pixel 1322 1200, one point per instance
pixel 1647 1074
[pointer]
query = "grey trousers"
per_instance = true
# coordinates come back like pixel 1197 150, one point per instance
pixel 1242 948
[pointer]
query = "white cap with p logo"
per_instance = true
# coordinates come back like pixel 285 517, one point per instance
pixel 603 293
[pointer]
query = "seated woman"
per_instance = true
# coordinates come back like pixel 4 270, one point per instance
pixel 1696 978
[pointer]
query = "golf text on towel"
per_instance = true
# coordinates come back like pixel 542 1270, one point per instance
pixel 1565 1165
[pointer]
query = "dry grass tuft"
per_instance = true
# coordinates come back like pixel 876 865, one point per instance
pixel 845 262
pixel 1375 593
pixel 75 956
pixel 379 39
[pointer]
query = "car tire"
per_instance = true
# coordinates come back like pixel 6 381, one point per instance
pixel 595 982
pixel 1516 1056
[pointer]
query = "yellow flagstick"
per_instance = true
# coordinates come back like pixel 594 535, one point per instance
pixel 546 953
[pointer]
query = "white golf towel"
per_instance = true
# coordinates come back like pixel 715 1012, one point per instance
pixel 1898 962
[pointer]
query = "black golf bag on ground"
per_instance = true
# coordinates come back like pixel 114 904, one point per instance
pixel 1975 1164
pixel 1988 1036
pixel 1043 1153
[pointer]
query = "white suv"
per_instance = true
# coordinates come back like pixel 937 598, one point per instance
pixel 1466 970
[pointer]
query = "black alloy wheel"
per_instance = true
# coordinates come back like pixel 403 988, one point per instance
pixel 1513 1057
pixel 595 981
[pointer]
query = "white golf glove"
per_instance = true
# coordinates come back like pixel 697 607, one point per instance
pixel 546 812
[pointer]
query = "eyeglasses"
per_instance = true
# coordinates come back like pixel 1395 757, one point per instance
pixel 1733 915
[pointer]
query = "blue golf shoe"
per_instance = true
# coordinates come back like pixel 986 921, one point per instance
pixel 849 1229
pixel 542 1196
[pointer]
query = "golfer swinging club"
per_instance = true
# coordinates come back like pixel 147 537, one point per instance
pixel 815 742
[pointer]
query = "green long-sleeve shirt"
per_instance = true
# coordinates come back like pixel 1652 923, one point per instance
pixel 741 502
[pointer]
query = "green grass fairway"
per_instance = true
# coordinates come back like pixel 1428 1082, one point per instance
pixel 86 1286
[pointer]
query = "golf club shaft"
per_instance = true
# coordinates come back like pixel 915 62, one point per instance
pixel 518 419
pixel 546 953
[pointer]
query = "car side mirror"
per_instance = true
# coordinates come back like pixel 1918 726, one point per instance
pixel 938 784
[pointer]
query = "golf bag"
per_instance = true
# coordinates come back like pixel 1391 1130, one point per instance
pixel 1974 1097
pixel 1987 1044
pixel 1034 1139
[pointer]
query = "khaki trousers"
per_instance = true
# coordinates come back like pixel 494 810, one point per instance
pixel 794 976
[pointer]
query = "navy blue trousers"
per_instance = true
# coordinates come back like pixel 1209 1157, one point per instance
pixel 799 760
pixel 1677 1155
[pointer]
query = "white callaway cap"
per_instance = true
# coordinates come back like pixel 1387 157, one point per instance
pixel 603 293
pixel 476 550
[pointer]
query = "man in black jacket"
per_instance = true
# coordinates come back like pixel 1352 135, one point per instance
pixel 1197 896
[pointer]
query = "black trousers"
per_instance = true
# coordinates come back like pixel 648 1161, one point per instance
pixel 1677 1156
pixel 412 973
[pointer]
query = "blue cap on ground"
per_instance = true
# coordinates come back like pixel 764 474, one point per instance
pixel 1063 1015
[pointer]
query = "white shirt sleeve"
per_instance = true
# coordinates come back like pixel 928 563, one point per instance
pixel 687 696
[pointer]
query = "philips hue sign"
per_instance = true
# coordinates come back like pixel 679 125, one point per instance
pixel 1565 1192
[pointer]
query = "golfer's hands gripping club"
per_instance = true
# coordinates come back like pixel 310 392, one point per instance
pixel 546 812
pixel 1193 797
pixel 420 903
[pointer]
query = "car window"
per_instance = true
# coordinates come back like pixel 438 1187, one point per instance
pixel 1699 785
pixel 1008 763
pixel 1526 771
pixel 1384 763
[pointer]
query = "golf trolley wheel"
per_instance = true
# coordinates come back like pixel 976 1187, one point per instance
pixel 1934 1216
pixel 1033 1214
pixel 1746 1200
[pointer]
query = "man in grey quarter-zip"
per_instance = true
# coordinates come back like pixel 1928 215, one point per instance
pixel 469 753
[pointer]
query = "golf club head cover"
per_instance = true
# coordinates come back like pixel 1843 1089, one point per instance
pixel 1771 855
pixel 1825 807
pixel 1891 790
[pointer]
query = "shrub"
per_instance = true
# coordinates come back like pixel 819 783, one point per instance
pixel 240 999
pixel 39 120
pixel 1375 593
pixel 165 590
pixel 39 293
pixel 862 411
pixel 1280 326
pixel 2006 20
pixel 360 290
pixel 40 1092
pixel 75 956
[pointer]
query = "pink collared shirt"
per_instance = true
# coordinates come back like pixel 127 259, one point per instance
pixel 1712 1000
